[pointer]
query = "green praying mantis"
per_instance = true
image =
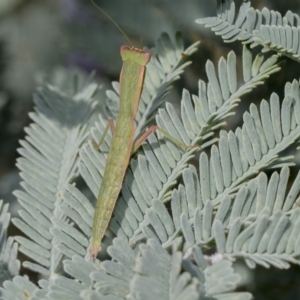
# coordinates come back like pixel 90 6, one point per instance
pixel 123 143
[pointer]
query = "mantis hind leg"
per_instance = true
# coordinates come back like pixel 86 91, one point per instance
pixel 111 125
pixel 143 137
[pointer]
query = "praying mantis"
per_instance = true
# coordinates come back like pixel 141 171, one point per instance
pixel 123 143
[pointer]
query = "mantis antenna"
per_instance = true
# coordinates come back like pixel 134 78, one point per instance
pixel 114 22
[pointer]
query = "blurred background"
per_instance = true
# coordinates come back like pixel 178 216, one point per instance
pixel 41 37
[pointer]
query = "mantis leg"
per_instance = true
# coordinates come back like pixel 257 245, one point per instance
pixel 111 125
pixel 152 128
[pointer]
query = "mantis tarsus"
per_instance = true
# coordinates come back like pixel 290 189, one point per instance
pixel 123 144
